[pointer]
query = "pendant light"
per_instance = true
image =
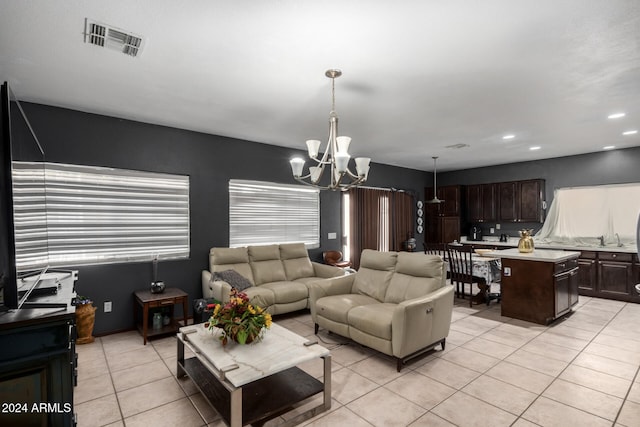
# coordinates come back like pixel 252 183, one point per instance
pixel 435 199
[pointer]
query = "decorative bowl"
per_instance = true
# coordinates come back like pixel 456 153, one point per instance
pixel 482 252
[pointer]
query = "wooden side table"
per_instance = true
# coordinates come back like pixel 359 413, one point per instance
pixel 146 300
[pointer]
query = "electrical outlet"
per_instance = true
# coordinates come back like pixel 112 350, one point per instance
pixel 332 236
pixel 491 230
pixel 107 307
pixel 497 226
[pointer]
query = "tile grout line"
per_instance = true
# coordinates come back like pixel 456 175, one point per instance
pixel 565 368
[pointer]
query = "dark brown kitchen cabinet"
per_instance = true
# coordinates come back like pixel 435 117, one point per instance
pixel 442 229
pixel 450 195
pixel 481 202
pixel 538 291
pixel 615 274
pixel 587 273
pixel 611 275
pixel 521 201
pixel 442 220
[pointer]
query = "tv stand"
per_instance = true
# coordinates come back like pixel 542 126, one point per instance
pixel 38 359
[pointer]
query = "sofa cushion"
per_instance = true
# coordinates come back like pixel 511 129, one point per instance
pixel 237 259
pixel 233 278
pixel 374 275
pixel 295 260
pixel 285 291
pixel 266 265
pixel 373 319
pixel 416 274
pixel 261 297
pixel 337 307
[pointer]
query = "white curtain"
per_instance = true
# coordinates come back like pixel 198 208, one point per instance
pixel 581 215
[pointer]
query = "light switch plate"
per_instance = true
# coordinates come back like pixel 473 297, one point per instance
pixel 332 236
pixel 107 306
pixel 507 271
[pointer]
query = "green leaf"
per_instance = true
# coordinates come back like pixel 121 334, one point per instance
pixel 242 336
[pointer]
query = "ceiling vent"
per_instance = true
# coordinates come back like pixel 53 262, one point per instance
pixel 457 146
pixel 106 36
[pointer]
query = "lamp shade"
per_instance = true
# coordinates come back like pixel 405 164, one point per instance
pixel 342 162
pixel 362 166
pixel 313 145
pixel 297 164
pixel 343 144
pixel 316 172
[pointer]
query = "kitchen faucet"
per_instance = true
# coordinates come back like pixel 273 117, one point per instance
pixel 601 240
pixel 619 243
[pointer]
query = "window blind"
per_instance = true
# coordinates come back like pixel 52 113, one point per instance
pixel 76 215
pixel 262 213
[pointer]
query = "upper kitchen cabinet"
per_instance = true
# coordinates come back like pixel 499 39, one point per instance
pixel 450 194
pixel 521 201
pixel 481 202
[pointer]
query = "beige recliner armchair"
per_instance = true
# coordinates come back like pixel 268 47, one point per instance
pixel 397 303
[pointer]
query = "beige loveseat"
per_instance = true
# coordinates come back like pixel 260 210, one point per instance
pixel 397 303
pixel 278 275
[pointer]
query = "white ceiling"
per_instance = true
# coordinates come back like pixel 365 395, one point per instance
pixel 419 76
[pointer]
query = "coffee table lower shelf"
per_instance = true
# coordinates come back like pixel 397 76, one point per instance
pixel 263 399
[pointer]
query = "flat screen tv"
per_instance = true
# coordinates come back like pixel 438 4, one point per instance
pixel 8 274
pixel 17 142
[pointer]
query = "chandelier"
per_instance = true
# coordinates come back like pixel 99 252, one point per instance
pixel 335 158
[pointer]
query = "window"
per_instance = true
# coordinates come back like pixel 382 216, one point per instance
pixel 580 215
pixel 263 213
pixel 78 215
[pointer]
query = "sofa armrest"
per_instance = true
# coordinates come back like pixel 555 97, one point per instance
pixel 326 287
pixel 419 322
pixel 217 289
pixel 325 271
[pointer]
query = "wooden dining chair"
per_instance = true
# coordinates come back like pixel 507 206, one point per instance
pixel 461 265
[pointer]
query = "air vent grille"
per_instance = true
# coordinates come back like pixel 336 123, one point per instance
pixel 106 36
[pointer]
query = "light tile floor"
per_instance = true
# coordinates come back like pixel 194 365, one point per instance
pixel 496 371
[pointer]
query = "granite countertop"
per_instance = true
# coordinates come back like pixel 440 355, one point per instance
pixel 543 255
pixel 513 242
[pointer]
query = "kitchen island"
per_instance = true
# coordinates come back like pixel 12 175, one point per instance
pixel 539 286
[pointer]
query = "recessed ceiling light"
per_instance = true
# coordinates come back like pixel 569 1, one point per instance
pixel 630 132
pixel 535 147
pixel 615 115
pixel 609 147
pixel 508 136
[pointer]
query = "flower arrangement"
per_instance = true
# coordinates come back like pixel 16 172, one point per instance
pixel 239 320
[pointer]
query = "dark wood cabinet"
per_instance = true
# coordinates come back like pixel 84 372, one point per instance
pixel 507 202
pixel 442 221
pixel 587 273
pixel 538 291
pixel 615 274
pixel 521 201
pixel 450 195
pixel 38 362
pixel 611 275
pixel 481 202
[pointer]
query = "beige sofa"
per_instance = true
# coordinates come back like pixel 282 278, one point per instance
pixel 279 275
pixel 397 303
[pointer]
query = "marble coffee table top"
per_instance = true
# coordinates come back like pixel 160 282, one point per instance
pixel 279 349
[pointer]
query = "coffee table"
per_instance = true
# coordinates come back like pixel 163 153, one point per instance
pixel 251 384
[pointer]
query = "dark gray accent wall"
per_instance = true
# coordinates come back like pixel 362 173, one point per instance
pixel 210 161
pixel 606 167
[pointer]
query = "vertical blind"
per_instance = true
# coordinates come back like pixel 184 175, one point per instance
pixel 76 215
pixel 262 213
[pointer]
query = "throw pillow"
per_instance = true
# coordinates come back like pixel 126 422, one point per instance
pixel 233 278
